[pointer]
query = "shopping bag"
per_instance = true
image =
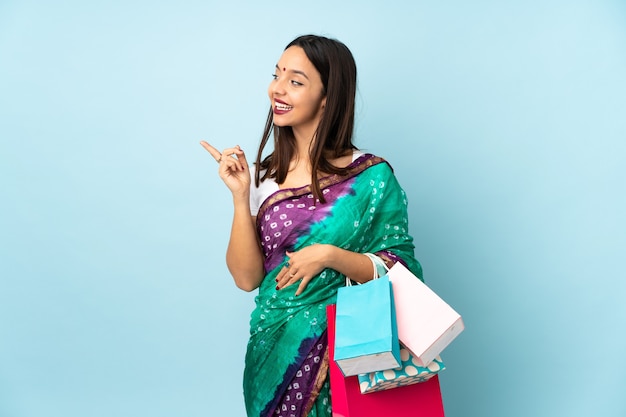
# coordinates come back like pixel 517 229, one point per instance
pixel 367 336
pixel 409 373
pixel 426 323
pixel 416 400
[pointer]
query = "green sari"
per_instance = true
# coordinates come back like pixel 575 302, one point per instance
pixel 365 211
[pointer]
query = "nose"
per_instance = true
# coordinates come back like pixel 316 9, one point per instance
pixel 277 87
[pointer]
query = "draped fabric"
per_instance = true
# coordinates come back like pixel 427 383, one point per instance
pixel 365 211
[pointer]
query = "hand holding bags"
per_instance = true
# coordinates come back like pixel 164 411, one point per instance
pixel 367 338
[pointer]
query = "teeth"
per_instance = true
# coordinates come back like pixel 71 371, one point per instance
pixel 280 106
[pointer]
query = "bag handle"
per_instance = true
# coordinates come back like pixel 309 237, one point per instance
pixel 379 265
pixel 376 264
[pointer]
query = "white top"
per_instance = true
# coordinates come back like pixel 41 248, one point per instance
pixel 268 187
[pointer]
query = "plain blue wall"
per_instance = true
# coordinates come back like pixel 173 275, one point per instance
pixel 505 122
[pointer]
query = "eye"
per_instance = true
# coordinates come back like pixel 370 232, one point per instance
pixel 296 83
pixel 274 76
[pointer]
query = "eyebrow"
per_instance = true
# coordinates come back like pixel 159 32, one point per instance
pixel 295 72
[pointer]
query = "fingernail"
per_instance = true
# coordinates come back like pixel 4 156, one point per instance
pixel 277 288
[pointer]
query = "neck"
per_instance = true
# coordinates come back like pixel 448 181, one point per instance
pixel 304 139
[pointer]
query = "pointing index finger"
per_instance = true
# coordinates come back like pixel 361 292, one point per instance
pixel 210 149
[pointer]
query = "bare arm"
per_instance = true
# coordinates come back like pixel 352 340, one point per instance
pixel 243 256
pixel 356 266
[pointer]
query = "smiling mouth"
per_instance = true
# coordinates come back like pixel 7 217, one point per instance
pixel 282 107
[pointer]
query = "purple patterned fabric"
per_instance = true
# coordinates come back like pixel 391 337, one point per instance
pixel 304 387
pixel 288 219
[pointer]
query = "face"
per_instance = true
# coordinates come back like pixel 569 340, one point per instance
pixel 296 93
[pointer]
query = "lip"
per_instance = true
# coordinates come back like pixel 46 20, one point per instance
pixel 278 111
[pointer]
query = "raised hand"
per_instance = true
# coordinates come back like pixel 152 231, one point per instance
pixel 233 169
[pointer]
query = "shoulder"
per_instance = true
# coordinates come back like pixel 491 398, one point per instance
pixel 259 194
pixel 375 163
pixel 253 170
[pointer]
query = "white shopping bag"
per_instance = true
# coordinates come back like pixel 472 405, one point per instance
pixel 426 323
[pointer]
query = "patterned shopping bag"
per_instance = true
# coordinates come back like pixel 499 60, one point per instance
pixel 411 372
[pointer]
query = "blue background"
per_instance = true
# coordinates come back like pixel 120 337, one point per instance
pixel 505 123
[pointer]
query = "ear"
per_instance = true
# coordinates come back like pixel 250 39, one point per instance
pixel 323 104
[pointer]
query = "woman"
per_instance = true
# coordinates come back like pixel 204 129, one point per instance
pixel 316 206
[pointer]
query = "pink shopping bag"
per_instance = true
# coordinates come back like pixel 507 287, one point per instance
pixel 417 400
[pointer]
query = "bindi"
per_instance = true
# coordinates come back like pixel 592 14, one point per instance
pixel 284 69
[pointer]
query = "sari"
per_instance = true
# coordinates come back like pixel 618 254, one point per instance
pixel 286 366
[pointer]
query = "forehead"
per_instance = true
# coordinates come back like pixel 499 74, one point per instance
pixel 294 59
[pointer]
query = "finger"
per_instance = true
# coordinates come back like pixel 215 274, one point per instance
pixel 284 270
pixel 214 152
pixel 234 154
pixel 232 151
pixel 228 163
pixel 242 159
pixel 302 286
pixel 234 163
pixel 283 276
pixel 289 277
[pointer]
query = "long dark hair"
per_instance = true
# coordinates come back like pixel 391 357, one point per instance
pixel 333 136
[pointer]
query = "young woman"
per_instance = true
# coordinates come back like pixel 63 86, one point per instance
pixel 316 206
